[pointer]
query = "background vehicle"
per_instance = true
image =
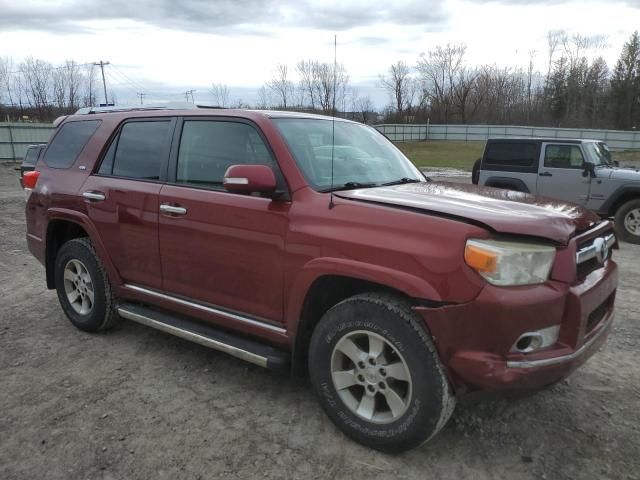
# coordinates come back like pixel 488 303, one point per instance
pixel 576 171
pixel 30 159
pixel 304 244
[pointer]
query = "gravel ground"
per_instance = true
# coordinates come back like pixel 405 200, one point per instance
pixel 135 403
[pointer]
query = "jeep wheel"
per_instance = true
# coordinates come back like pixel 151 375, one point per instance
pixel 628 221
pixel 475 172
pixel 83 288
pixel 377 375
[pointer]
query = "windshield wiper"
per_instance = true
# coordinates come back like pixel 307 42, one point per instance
pixel 349 186
pixel 401 181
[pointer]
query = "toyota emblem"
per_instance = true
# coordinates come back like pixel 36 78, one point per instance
pixel 602 252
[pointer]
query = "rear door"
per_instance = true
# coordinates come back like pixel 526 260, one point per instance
pixel 218 248
pixel 122 198
pixel 561 168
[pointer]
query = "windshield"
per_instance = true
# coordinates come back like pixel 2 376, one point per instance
pixel 599 153
pixel 362 156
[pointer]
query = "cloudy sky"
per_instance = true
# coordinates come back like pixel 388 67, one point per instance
pixel 163 47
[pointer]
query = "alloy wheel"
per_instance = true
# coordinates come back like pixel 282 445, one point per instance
pixel 371 377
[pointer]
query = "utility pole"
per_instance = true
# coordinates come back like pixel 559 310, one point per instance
pixel 101 64
pixel 186 95
pixel 141 96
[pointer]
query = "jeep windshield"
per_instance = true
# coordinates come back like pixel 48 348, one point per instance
pixel 362 157
pixel 598 153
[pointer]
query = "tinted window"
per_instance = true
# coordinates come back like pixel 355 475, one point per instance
pixel 69 142
pixel 31 157
pixel 106 167
pixel 208 148
pixel 511 154
pixel 141 149
pixel 563 156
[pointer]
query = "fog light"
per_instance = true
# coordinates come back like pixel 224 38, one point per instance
pixel 537 340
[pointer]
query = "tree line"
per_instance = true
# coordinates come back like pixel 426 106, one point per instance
pixel 577 90
pixel 36 89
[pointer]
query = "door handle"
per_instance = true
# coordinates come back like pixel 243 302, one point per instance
pixel 546 174
pixel 93 195
pixel 175 210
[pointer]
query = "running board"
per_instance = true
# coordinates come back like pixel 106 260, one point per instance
pixel 206 335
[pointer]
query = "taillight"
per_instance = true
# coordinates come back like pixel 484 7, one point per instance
pixel 29 179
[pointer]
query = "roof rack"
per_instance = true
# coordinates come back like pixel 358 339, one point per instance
pixel 123 108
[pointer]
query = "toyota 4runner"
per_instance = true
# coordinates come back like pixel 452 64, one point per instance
pixel 577 171
pixel 311 245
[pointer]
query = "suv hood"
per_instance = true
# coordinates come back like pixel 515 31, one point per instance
pixel 503 211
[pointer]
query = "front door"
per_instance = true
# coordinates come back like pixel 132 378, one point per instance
pixel 122 199
pixel 217 248
pixel 560 175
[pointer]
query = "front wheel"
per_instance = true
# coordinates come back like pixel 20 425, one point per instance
pixel 377 375
pixel 627 221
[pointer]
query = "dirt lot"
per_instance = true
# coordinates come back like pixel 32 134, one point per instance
pixel 136 403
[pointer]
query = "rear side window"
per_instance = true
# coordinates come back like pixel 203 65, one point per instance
pixel 69 142
pixel 208 148
pixel 138 151
pixel 517 154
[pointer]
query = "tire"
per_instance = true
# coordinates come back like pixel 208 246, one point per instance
pixel 77 258
pixel 475 172
pixel 627 221
pixel 368 320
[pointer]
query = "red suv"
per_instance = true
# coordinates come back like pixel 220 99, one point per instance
pixel 306 244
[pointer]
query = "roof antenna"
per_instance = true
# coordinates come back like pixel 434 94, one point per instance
pixel 333 118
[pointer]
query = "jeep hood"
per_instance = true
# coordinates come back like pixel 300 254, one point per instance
pixel 503 211
pixel 619 173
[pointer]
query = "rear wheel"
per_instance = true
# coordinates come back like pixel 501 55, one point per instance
pixel 83 288
pixel 377 375
pixel 627 221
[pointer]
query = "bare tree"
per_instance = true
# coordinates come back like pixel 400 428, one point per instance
pixel 220 94
pixel 307 70
pixel 400 86
pixel 37 77
pixel 73 83
pixel 90 87
pixel 281 86
pixel 441 70
pixel 264 100
pixel 555 38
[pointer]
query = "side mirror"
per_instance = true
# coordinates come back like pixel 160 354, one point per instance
pixel 589 169
pixel 249 179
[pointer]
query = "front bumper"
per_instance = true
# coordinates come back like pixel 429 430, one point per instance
pixel 474 339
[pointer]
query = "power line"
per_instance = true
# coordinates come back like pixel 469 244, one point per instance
pixel 141 95
pixel 62 67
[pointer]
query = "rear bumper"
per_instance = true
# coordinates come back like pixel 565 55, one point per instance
pixel 474 340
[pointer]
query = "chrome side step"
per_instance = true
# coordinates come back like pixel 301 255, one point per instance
pixel 206 335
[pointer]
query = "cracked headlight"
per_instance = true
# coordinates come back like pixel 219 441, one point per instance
pixel 510 263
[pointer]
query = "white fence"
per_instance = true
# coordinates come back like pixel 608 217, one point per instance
pixel 616 139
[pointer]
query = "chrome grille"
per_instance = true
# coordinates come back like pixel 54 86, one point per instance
pixel 593 253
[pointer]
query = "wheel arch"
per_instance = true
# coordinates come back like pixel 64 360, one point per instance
pixel 64 225
pixel 318 289
pixel 618 198
pixel 508 183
